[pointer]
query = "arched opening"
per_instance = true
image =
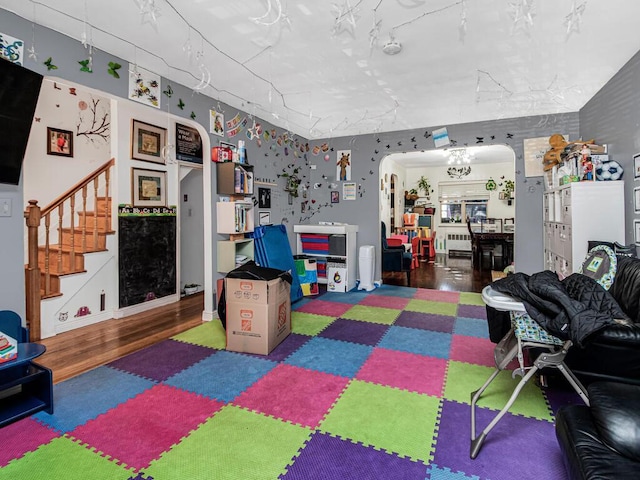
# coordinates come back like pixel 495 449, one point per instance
pixel 440 189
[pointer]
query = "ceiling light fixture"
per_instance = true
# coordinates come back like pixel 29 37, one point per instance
pixel 392 47
pixel 458 156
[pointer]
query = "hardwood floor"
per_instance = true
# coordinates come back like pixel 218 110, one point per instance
pixel 72 353
pixel 444 273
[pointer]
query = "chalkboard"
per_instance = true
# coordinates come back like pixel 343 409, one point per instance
pixel 147 258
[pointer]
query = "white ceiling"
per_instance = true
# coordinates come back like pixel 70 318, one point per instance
pixel 319 71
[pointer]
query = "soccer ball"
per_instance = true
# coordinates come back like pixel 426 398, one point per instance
pixel 610 170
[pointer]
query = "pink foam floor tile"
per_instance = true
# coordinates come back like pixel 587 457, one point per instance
pixel 139 430
pixel 437 295
pixel 407 371
pixel 385 301
pixel 294 394
pixel 322 307
pixel 21 437
pixel 478 351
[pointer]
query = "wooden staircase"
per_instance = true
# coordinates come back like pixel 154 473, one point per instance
pixel 75 224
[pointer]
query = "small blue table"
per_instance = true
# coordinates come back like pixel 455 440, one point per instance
pixel 25 386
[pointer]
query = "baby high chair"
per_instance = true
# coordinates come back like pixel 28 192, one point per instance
pixel 526 333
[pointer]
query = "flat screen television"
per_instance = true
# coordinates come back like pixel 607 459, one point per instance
pixel 19 90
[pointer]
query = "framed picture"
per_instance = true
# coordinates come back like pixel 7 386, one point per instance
pixel 264 197
pixel 59 142
pixel 148 188
pixel 636 200
pixel 216 123
pixel 636 230
pixel 335 197
pixel 147 142
pixel 636 166
pixel 264 218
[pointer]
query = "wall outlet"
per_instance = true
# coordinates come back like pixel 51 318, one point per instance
pixel 5 207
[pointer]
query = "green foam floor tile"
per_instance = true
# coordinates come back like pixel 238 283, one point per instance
pixel 234 444
pixel 309 323
pixel 65 459
pixel 385 418
pixel 464 378
pixel 365 313
pixel 210 334
pixel 470 298
pixel 427 306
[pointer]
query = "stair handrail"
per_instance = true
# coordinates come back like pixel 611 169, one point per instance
pixel 33 215
pixel 77 187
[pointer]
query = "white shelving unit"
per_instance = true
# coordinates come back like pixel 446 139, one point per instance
pixel 576 213
pixel 350 256
pixel 236 216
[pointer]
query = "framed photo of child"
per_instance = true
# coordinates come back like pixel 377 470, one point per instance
pixel 59 142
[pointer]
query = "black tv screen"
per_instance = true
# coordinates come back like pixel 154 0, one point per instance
pixel 19 90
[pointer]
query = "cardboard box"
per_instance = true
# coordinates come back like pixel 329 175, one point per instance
pixel 258 314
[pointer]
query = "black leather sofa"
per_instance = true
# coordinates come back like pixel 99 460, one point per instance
pixel 602 442
pixel 613 354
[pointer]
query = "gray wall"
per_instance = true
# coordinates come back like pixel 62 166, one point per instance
pixel 368 150
pixel 612 116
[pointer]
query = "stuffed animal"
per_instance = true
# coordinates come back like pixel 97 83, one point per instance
pixel 552 157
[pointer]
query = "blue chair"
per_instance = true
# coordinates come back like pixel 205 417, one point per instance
pixel 11 324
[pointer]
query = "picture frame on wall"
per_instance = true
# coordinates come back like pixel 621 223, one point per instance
pixel 636 200
pixel 59 142
pixel 148 188
pixel 335 196
pixel 636 166
pixel 147 142
pixel 636 231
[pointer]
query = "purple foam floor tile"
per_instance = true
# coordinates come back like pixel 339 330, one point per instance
pixel 472 311
pixel 329 458
pixel 162 360
pixel 559 397
pixel 507 448
pixel 365 333
pixel 289 345
pixel 426 321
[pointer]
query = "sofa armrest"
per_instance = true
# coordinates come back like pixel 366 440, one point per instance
pixel 618 335
pixel 615 408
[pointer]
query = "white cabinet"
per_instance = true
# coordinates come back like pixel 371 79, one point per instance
pixel 330 243
pixel 576 213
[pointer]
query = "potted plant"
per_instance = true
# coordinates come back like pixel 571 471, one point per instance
pixel 191 288
pixel 507 191
pixel 425 186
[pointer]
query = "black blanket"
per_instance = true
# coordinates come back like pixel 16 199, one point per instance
pixel 571 309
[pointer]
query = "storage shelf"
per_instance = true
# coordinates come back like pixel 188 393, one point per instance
pixel 228 249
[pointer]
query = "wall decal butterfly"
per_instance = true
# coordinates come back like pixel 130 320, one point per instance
pixel 181 104
pixel 85 65
pixel 168 92
pixel 113 69
pixel 72 91
pixel 50 66
pixel 193 115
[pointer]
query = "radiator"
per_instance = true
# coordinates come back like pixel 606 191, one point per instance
pixel 458 242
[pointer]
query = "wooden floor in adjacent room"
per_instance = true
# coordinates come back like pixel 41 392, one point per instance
pixel 444 273
pixel 72 353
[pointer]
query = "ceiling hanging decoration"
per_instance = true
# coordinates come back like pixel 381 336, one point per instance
pixel 33 55
pixel 522 14
pixel 573 20
pixel 345 18
pixel 458 156
pixel 205 73
pixel 462 28
pixel 149 11
pixel 374 33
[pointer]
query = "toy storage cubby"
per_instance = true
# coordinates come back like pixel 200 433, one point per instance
pixel 235 217
pixel 576 213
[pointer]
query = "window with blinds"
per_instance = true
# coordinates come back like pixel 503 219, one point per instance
pixel 462 200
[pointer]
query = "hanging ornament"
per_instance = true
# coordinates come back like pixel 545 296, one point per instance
pixel 462 28
pixel 149 11
pixel 574 19
pixel 345 19
pixel 205 78
pixel 521 13
pixel 277 12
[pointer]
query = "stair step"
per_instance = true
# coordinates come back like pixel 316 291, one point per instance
pixel 103 223
pixel 103 205
pixel 90 238
pixel 54 285
pixel 67 265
